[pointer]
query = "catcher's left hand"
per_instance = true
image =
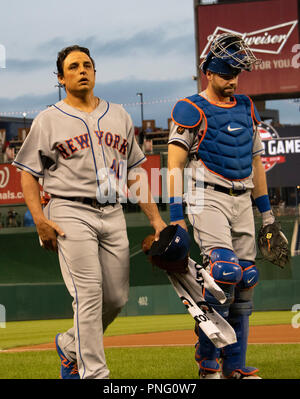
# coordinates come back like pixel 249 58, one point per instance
pixel 273 244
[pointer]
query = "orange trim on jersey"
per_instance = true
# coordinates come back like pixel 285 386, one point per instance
pixel 255 122
pixel 253 112
pixel 218 174
pixel 194 105
pixel 204 131
pixel 230 104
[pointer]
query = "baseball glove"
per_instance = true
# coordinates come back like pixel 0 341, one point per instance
pixel 170 252
pixel 273 244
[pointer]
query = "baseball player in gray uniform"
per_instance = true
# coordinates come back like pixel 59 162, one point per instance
pixel 82 149
pixel 215 132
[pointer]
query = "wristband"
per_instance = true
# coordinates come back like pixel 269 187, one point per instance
pixel 176 211
pixel 263 203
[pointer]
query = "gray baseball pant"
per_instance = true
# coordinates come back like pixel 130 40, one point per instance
pixel 94 261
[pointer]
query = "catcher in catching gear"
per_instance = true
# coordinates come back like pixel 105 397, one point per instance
pixel 273 244
pixel 214 134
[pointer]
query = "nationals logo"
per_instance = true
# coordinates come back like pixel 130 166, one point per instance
pixel 268 40
pixel 267 132
pixel 10 185
pixel 4 177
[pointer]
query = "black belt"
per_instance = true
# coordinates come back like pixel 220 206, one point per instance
pixel 230 191
pixel 88 201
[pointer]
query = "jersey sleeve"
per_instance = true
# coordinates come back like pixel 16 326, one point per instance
pixel 135 154
pixel 35 153
pixel 258 148
pixel 180 135
pixel 255 114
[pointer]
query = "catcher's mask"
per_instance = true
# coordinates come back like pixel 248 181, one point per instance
pixel 173 244
pixel 229 54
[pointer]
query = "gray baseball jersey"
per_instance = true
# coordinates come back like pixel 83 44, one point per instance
pixel 68 148
pixel 75 153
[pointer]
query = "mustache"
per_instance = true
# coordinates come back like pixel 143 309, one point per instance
pixel 231 86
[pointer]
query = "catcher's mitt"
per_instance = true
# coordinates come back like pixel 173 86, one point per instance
pixel 273 244
pixel 170 252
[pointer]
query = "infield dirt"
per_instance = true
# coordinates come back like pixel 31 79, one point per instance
pixel 275 334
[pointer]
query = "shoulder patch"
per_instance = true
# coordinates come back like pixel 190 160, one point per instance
pixel 186 114
pixel 180 130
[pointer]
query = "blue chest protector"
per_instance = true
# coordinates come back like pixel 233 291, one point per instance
pixel 226 145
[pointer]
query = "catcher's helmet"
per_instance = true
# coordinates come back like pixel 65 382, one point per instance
pixel 229 54
pixel 173 244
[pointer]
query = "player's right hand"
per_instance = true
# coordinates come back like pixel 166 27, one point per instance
pixel 48 232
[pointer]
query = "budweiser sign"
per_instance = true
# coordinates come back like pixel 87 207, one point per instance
pixel 271 30
pixel 268 40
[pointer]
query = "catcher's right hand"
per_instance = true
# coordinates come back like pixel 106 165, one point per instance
pixel 273 244
pixel 170 252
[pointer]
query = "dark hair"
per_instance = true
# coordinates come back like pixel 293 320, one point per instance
pixel 62 55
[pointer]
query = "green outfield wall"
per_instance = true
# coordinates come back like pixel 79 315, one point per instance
pixel 31 286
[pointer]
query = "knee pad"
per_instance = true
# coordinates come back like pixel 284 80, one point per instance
pixel 250 275
pixel 225 267
pixel 226 271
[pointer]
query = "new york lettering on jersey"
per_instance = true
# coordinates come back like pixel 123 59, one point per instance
pixel 82 142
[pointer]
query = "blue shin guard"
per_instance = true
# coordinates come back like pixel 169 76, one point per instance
pixel 227 272
pixel 207 355
pixel 234 356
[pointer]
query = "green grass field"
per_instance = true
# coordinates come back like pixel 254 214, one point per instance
pixel 274 361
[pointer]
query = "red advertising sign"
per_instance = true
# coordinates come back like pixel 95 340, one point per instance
pixel 10 185
pixel 152 166
pixel 270 28
pixel 11 190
